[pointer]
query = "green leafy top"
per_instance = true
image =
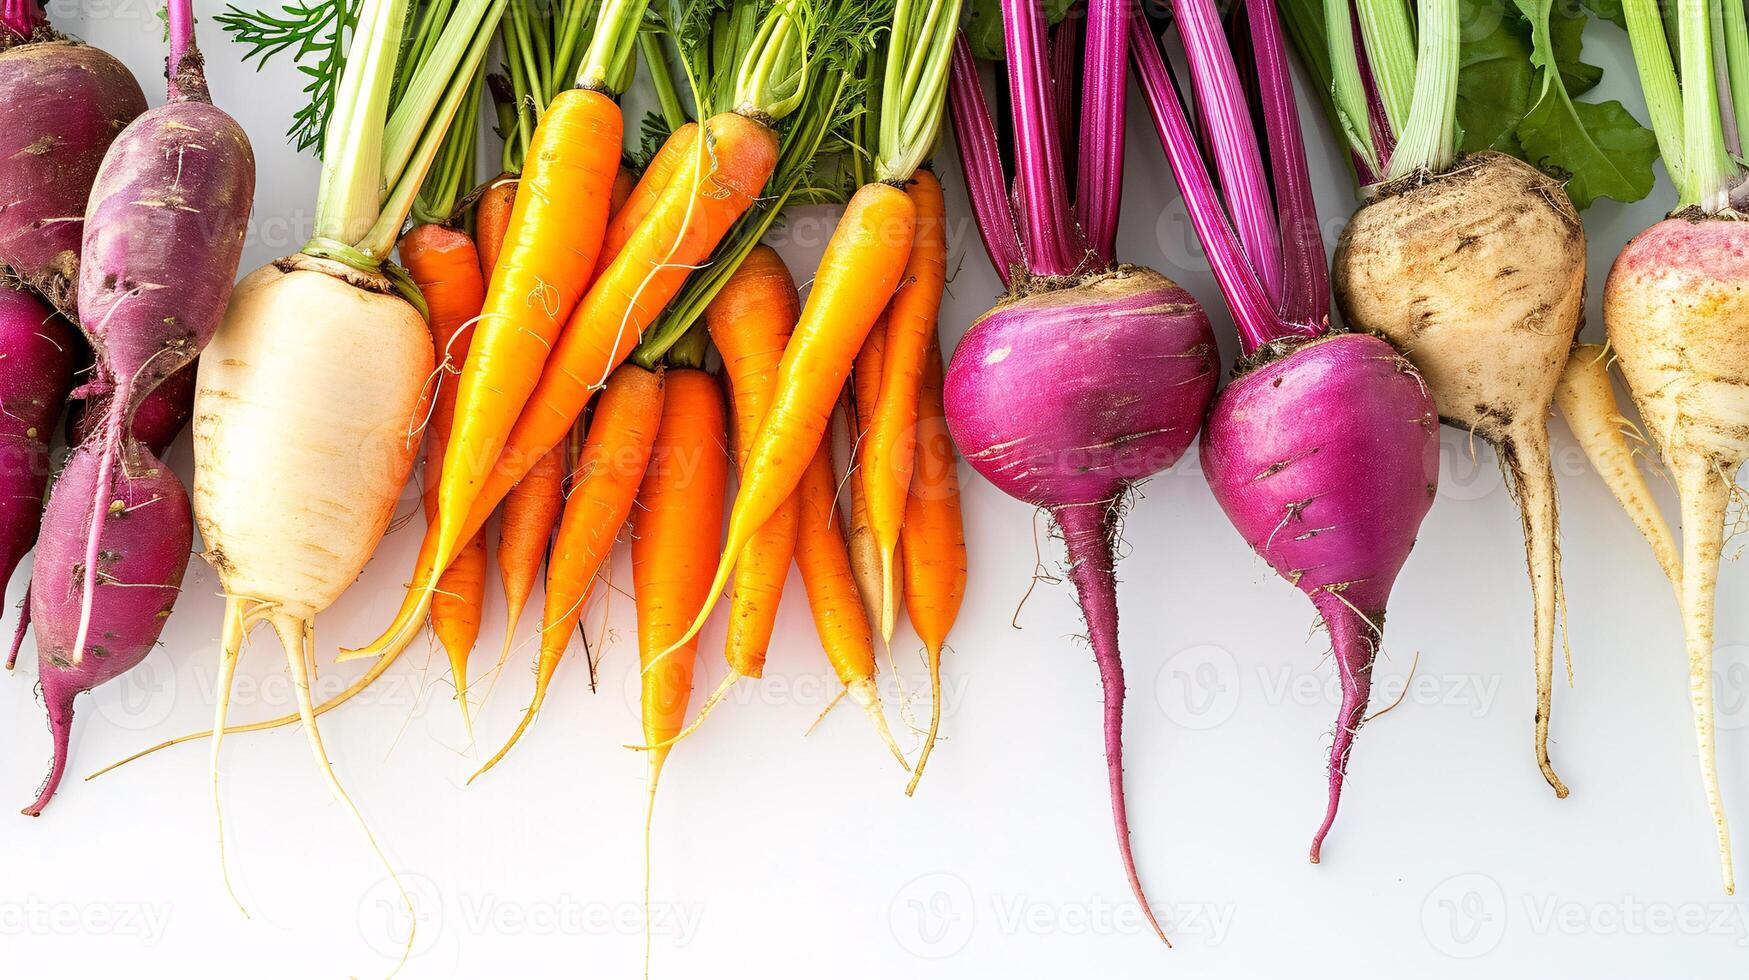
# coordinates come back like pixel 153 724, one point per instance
pixel 1519 72
pixel 1688 69
pixel 812 141
pixel 376 157
pixel 306 28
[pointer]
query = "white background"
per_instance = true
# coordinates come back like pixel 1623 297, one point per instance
pixel 779 856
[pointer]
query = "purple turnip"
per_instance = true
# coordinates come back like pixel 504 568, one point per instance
pixel 38 352
pixel 1088 376
pixel 1324 451
pixel 63 105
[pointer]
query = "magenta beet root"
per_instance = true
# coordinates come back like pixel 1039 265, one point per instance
pixel 38 355
pixel 1326 459
pixel 63 105
pixel 141 557
pixel 1063 400
pixel 163 238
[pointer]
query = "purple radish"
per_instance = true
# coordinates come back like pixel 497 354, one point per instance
pixel 1324 452
pixel 64 103
pixel 1089 375
pixel 142 556
pixel 163 237
pixel 1326 460
pixel 159 419
pixel 38 353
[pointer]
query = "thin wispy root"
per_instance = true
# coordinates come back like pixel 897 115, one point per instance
pixel 863 692
pixel 703 713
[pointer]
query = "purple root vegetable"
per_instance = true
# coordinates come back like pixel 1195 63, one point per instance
pixel 1326 460
pixel 1121 368
pixel 1079 383
pixel 159 419
pixel 64 104
pixel 163 237
pixel 38 353
pixel 1324 451
pixel 142 556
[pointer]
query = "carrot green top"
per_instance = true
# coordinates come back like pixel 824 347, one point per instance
pixel 375 160
pixel 914 86
pixel 789 63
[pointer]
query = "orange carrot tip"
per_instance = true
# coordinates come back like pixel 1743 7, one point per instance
pixel 703 713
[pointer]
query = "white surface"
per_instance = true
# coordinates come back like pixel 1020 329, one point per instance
pixel 778 856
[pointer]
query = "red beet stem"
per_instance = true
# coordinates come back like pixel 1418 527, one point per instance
pixel 1354 639
pixel 60 705
pixel 1088 532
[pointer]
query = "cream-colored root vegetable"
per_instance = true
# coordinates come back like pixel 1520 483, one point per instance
pixel 1587 400
pixel 1678 319
pixel 1478 275
pixel 304 407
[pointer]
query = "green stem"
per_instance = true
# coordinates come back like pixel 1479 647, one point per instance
pixel 431 21
pixel 1658 82
pixel 453 172
pixel 381 238
pixel 662 79
pixel 1390 50
pixel 1735 32
pixel 615 34
pixel 690 350
pixel 572 24
pixel 348 197
pixel 1429 140
pixel 914 87
pixel 1348 89
pixel 432 81
pixel 769 80
pixel 1709 167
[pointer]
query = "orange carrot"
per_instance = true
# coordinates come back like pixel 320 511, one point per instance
pixel 750 321
pixel 492 220
pixel 638 204
pixel 856 278
pixel 624 183
pixel 865 386
pixel 616 453
pixel 676 528
pixel 444 264
pixel 706 195
pixel 839 616
pixel 555 232
pixel 530 511
pixel 889 445
pixel 933 539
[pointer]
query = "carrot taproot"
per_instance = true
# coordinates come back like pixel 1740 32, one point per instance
pixel 888 447
pixel 932 539
pixel 616 454
pixel 864 391
pixel 530 511
pixel 750 322
pixel 858 273
pixel 447 266
pixel 492 219
pixel 839 616
pixel 707 194
pixel 550 247
pixel 643 197
pixel 676 529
